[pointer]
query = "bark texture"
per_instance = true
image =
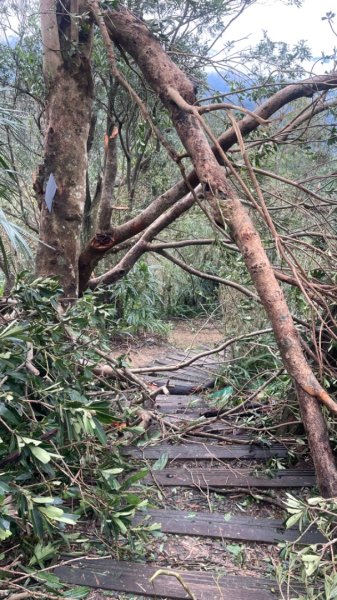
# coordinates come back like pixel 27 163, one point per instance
pixel 68 115
pixel 127 30
pixel 176 92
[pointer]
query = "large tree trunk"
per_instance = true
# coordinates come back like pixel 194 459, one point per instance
pixel 176 92
pixel 68 114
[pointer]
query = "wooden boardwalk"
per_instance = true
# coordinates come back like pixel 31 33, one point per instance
pixel 134 577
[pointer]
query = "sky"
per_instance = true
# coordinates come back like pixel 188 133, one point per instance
pixel 289 24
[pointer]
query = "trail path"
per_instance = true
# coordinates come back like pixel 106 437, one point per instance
pixel 217 544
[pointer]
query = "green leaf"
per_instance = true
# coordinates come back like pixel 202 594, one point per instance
pixel 56 514
pixel 14 332
pixel 77 593
pixel 234 549
pixel 120 524
pixel 42 552
pixel 161 462
pixel 51 581
pixel 100 433
pixel 293 520
pixel 4 488
pixel 8 415
pixel 108 472
pixel 43 500
pixel 41 454
pixel 223 394
pixel 30 441
pixel 38 523
pixel 5 531
pixel 134 478
pixel 311 563
pixel 52 512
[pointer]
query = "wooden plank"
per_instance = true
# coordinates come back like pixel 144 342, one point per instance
pixel 185 417
pixel 225 478
pixel 194 368
pixel 178 404
pixel 134 578
pixel 178 387
pixel 204 361
pixel 181 375
pixel 212 525
pixel 208 451
pixel 177 410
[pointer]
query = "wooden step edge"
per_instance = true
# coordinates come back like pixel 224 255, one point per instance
pixel 230 527
pixel 134 578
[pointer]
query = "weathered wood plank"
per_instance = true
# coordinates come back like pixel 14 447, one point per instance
pixel 218 478
pixel 193 369
pixel 211 359
pixel 184 375
pixel 176 386
pixel 177 404
pixel 134 578
pixel 233 527
pixel 184 417
pixel 208 451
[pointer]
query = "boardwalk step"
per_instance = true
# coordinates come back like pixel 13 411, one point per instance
pixel 230 527
pixel 175 356
pixel 177 386
pixel 178 404
pixel 134 578
pixel 183 376
pixel 193 370
pixel 225 478
pixel 185 373
pixel 208 451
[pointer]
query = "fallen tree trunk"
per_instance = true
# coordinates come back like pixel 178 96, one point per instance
pixel 96 250
pixel 176 92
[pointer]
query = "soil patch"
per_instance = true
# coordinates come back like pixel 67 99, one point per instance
pixel 143 349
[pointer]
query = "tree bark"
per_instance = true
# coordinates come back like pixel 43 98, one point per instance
pixel 68 114
pixel 176 93
pixel 94 251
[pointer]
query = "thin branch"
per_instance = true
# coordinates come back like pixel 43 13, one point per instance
pixel 190 361
pixel 203 275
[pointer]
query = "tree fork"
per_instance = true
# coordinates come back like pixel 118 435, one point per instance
pixel 304 89
pixel 163 76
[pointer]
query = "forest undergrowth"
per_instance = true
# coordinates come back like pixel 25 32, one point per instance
pixel 63 421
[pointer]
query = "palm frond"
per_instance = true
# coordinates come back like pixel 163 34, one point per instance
pixel 16 236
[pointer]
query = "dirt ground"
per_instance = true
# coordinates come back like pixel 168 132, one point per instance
pixel 142 350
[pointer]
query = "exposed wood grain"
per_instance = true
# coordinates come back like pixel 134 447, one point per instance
pixel 225 478
pixel 178 404
pixel 176 386
pixel 208 451
pixel 195 368
pixel 180 376
pixel 133 578
pixel 184 375
pixel 233 527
